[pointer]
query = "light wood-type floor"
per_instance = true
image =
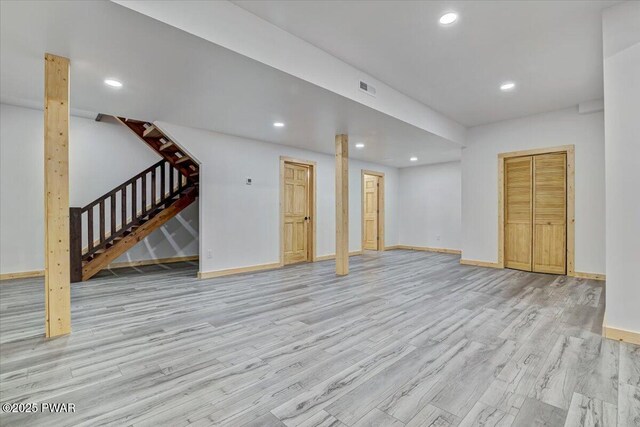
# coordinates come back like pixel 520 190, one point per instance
pixel 408 338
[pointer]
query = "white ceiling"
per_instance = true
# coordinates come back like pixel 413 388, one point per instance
pixel 551 49
pixel 172 76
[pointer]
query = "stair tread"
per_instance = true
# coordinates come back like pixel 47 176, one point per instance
pixel 152 132
pixel 183 159
pixel 165 146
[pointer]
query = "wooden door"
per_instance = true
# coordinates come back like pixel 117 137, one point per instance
pixel 296 213
pixel 550 213
pixel 518 189
pixel 371 211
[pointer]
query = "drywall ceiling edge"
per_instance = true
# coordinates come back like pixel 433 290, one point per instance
pixel 234 28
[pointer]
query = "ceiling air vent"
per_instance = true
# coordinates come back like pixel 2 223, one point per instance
pixel 367 88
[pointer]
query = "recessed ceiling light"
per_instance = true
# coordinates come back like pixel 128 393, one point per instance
pixel 359 145
pixel 448 18
pixel 112 83
pixel 506 86
pixel 413 159
pixel 278 124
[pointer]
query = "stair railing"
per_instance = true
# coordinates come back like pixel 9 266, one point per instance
pixel 99 224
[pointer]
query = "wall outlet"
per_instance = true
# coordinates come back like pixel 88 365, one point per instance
pixel 438 237
pixel 209 253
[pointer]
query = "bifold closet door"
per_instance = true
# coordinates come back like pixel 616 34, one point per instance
pixel 550 213
pixel 518 212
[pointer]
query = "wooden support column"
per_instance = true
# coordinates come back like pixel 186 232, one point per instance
pixel 56 196
pixel 342 205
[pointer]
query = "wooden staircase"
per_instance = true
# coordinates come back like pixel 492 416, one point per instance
pixel 161 144
pixel 116 221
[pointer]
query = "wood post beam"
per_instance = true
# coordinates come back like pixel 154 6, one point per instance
pixel 342 205
pixel 56 194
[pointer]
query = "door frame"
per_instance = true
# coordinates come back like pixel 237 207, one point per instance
pixel 571 220
pixel 311 238
pixel 380 176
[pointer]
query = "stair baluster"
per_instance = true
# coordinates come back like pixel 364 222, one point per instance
pixel 90 215
pixel 142 207
pixel 123 206
pixel 82 221
pixel 153 188
pixel 163 177
pixel 143 193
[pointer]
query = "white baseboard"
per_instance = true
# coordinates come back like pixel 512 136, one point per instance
pixel 426 249
pixel 333 256
pixel 21 275
pixel 238 270
pixel 621 335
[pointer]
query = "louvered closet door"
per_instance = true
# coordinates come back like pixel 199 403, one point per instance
pixel 518 213
pixel 550 213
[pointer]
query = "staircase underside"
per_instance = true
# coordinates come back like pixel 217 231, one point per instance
pixel 135 208
pixel 138 232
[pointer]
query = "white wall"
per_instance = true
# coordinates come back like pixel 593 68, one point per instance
pixel 430 206
pixel 480 180
pixel 240 223
pixel 621 36
pixel 102 155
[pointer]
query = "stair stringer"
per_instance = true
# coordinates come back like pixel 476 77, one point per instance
pixel 137 235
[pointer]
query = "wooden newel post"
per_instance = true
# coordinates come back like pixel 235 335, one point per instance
pixel 75 244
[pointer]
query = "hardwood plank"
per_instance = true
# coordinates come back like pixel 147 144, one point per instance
pixel 628 406
pixel 432 416
pixel 377 418
pixel 589 412
pixel 360 401
pixel 408 337
pixel 409 399
pixel 537 413
pixel 559 376
pixel 499 396
pixel 297 410
pixel 322 419
pixel 630 364
pixel 598 369
pixel 484 415
pixel 267 420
